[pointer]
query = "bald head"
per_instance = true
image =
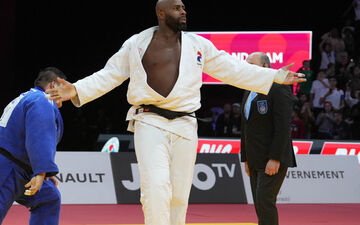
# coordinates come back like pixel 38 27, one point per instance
pixel 164 5
pixel 161 4
pixel 259 59
pixel 171 14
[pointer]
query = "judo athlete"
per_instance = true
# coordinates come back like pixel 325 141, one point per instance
pixel 30 128
pixel 165 67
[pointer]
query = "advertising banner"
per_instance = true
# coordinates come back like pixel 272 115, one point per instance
pixel 341 148
pixel 85 178
pixel 282 47
pixel 233 146
pixel 126 177
pixel 319 179
pixel 223 146
pixel 217 179
pixel 302 147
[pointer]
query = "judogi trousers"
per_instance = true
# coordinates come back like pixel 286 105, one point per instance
pixel 264 190
pixel 166 166
pixel 44 205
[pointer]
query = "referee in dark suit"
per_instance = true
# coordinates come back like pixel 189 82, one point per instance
pixel 266 145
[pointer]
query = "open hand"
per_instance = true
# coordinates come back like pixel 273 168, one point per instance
pixel 293 77
pixel 34 184
pixel 65 91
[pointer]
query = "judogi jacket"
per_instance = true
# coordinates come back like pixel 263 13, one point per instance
pixel 30 128
pixel 198 55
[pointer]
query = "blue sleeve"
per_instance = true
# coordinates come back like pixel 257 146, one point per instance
pixel 40 140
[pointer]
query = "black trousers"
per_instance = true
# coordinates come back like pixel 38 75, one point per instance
pixel 265 189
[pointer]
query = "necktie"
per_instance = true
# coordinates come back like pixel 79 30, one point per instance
pixel 251 97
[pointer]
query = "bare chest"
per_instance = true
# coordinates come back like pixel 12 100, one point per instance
pixel 160 55
pixel 161 63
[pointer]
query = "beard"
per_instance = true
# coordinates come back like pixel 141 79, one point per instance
pixel 174 24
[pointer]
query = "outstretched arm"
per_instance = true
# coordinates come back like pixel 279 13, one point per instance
pixel 115 72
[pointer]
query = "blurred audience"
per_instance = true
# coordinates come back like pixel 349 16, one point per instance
pixel 305 87
pixel 236 120
pixel 224 123
pixel 228 123
pixel 325 122
pixel 334 95
pixel 327 55
pixel 341 129
pixel 318 90
pixel 297 125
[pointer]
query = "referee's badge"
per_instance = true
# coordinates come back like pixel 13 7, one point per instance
pixel 262 106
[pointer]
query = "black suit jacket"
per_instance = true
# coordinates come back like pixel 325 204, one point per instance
pixel 267 132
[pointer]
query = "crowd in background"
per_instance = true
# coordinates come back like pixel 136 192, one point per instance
pixel 328 104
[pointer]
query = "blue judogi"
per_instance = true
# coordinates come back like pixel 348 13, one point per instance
pixel 30 128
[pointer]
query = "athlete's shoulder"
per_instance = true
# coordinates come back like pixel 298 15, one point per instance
pixel 195 37
pixel 35 96
pixel 199 41
pixel 139 37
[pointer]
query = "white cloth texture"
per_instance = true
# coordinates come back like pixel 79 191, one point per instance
pixel 166 166
pixel 319 91
pixel 185 95
pixel 335 98
pixel 166 149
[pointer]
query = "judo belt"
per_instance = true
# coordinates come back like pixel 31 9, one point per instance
pixel 23 165
pixel 168 114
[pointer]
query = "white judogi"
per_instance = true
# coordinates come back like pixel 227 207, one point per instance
pixel 166 150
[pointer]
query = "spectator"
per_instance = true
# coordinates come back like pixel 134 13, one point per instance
pixel 327 55
pixel 356 5
pixel 205 127
pixel 305 87
pixel 342 68
pixel 334 95
pixel 333 37
pixel 325 122
pixel 349 100
pixel 347 35
pixel 223 123
pixel 330 71
pixel 341 129
pixel 301 99
pixel 354 81
pixel 236 120
pixel 297 125
pixel 216 112
pixel 308 117
pixel 355 125
pixel 318 90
